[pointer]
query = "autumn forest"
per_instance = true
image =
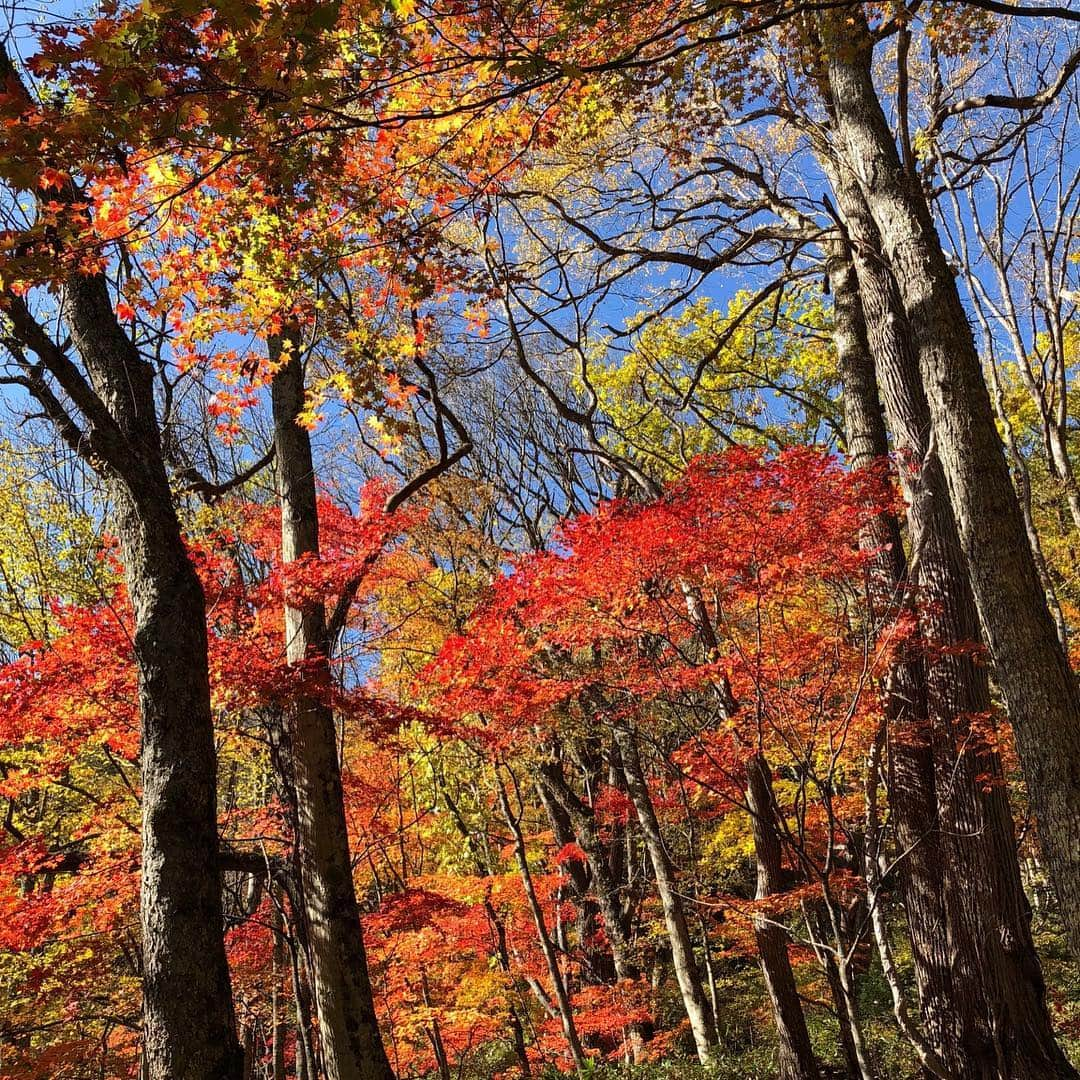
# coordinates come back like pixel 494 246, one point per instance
pixel 539 538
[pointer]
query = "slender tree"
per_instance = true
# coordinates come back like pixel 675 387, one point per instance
pixel 348 1027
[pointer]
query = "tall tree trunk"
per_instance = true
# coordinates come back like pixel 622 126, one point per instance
pixel 988 1018
pixel 348 1028
pixel 1031 667
pixel 695 1002
pixel 189 1026
pixel 876 867
pixel 796 1056
pixel 438 1047
pixel 483 867
pixel 250 1052
pixel 911 778
pixel 581 820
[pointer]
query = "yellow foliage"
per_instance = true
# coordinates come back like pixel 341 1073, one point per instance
pixel 703 375
pixel 48 551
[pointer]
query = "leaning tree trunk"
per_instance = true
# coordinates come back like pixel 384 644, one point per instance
pixel 989 1019
pixel 348 1028
pixel 1029 662
pixel 696 1004
pixel 796 1056
pixel 188 1023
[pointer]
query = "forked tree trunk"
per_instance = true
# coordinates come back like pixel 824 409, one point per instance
pixel 837 970
pixel 1030 665
pixel 517 1030
pixel 483 867
pixel 587 836
pixel 581 819
pixel 564 1009
pixel 352 1046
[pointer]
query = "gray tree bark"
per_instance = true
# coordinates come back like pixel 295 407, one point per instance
pixel 980 984
pixel 348 1027
pixel 1030 665
pixel 188 1023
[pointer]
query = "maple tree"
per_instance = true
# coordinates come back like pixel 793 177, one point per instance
pixel 618 598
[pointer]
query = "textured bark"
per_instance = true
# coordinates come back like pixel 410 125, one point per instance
pixel 188 1024
pixel 1030 664
pixel 795 1056
pixel 348 1028
pixel 912 790
pixel 981 989
pixel 696 1004
pixel 911 779
pixel 1022 483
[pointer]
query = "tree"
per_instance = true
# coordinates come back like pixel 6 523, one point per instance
pixel 599 629
pixel 535 262
pixel 350 1034
pixel 1030 663
pixel 106 412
